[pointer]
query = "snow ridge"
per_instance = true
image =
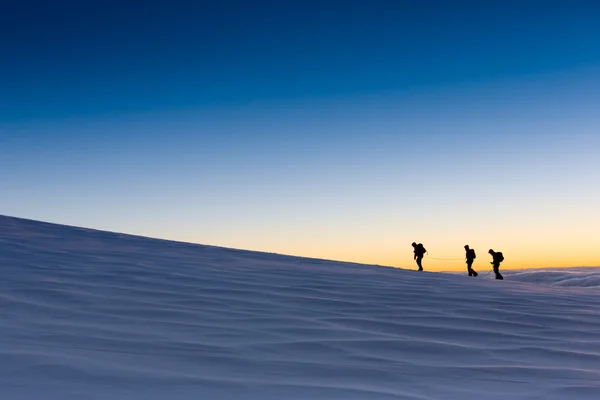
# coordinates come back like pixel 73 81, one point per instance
pixel 96 315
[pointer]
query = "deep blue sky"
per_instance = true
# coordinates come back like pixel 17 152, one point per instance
pixel 293 125
pixel 65 58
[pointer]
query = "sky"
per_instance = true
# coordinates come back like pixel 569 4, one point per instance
pixel 338 130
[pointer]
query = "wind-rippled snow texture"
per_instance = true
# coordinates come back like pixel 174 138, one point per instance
pixel 573 277
pixel 95 315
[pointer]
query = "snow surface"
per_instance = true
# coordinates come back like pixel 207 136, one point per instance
pixel 95 315
pixel 574 277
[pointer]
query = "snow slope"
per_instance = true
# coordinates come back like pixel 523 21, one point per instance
pixel 95 315
pixel 574 277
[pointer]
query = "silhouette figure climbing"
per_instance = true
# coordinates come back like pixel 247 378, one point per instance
pixel 419 253
pixel 470 256
pixel 497 259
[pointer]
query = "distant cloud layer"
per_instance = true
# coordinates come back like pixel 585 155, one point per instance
pixel 587 277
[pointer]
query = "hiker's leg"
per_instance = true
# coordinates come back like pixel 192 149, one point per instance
pixel 498 275
pixel 471 270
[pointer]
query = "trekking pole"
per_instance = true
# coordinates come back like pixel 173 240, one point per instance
pixel 490 270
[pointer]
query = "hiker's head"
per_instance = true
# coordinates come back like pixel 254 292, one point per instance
pixel 414 244
pixel 466 247
pixel 491 251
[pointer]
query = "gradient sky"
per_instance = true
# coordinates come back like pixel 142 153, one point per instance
pixel 340 130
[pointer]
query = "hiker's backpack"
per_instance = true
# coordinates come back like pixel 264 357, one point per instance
pixel 499 256
pixel 472 254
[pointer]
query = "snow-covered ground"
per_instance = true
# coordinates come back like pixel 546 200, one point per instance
pixel 574 277
pixel 95 315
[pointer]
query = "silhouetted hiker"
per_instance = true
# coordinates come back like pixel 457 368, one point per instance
pixel 498 258
pixel 419 253
pixel 470 255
